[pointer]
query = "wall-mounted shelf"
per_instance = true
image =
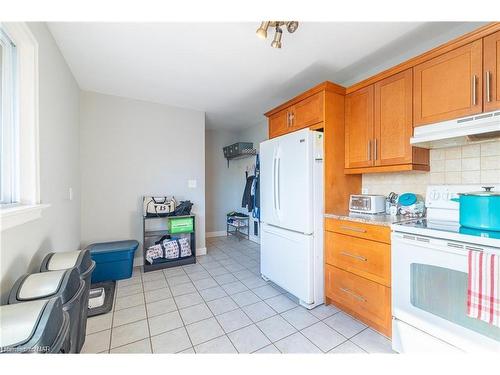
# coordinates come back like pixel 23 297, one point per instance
pixel 239 150
pixel 246 154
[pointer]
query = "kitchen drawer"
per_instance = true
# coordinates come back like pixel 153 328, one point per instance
pixel 356 229
pixel 368 301
pixel 365 258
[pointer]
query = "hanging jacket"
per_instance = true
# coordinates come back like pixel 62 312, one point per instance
pixel 255 192
pixel 247 200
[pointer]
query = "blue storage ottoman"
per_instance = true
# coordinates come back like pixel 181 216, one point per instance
pixel 114 260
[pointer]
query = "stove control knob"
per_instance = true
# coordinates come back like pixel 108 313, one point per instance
pixel 435 195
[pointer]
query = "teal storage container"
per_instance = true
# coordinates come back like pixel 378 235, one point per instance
pixel 114 260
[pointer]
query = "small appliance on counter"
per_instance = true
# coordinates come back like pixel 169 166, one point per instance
pixel 367 203
pixel 411 205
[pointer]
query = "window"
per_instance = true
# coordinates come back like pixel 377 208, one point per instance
pixel 19 179
pixel 9 155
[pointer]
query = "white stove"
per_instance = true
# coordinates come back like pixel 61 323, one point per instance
pixel 429 279
pixel 442 219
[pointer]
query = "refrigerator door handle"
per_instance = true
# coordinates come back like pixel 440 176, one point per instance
pixel 279 184
pixel 274 182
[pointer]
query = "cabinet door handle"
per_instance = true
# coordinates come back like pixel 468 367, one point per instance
pixel 287 119
pixel 474 92
pixel 359 257
pixel 358 297
pixel 375 149
pixel 369 151
pixel 292 117
pixel 487 78
pixel 354 229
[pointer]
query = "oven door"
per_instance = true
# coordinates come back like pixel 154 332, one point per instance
pixel 429 292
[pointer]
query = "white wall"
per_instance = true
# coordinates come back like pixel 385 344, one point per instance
pixel 23 247
pixel 131 148
pixel 225 185
pixel 221 182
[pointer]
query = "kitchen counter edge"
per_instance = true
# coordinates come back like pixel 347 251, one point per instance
pixel 375 219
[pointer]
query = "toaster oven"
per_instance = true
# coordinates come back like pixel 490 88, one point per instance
pixel 367 204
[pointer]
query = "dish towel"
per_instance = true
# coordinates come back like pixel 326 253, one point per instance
pixel 483 295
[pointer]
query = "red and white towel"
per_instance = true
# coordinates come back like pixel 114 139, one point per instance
pixel 483 294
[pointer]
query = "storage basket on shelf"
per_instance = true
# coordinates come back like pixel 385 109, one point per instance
pixel 180 225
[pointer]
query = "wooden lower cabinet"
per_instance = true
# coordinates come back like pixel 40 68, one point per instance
pixel 356 229
pixel 364 299
pixel 358 271
pixel 366 258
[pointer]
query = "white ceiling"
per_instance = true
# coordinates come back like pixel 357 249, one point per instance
pixel 225 70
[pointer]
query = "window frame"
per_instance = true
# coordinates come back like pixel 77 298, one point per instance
pixel 29 206
pixel 9 138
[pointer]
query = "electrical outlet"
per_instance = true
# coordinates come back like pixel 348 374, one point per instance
pixel 364 191
pixel 192 184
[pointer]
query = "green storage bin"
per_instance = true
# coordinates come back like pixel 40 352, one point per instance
pixel 181 225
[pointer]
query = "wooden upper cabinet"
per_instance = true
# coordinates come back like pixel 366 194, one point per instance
pixel 491 71
pixel 359 128
pixel 308 112
pixel 279 123
pixel 449 86
pixel 393 120
pixel 303 114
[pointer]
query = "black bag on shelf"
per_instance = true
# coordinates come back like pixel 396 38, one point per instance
pixel 182 209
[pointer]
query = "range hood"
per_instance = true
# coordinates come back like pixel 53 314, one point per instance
pixel 459 132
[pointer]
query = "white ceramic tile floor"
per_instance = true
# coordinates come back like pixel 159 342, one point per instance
pixel 221 305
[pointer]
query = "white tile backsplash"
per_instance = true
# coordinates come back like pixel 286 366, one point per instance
pixel 471 164
pixel 475 163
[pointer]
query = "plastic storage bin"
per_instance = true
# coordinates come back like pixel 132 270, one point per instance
pixel 81 260
pixel 34 327
pixel 180 225
pixel 114 260
pixel 65 284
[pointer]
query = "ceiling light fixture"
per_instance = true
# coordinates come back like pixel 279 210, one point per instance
pixel 291 26
pixel 262 30
pixel 277 38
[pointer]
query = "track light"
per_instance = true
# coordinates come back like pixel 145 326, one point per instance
pixel 262 30
pixel 291 27
pixel 277 38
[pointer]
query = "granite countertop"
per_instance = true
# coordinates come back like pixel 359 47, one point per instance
pixel 376 219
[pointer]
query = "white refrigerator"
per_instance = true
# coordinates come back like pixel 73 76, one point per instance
pixel 291 198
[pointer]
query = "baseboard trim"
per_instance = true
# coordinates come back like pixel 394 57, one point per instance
pixel 138 262
pixel 216 234
pixel 201 251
